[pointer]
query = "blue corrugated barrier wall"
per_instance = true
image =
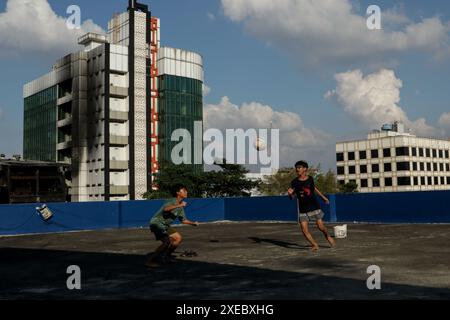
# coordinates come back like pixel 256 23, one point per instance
pixel 401 207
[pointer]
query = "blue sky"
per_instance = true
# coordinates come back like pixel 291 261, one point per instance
pixel 256 62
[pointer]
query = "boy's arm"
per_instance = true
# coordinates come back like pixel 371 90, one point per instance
pixel 189 222
pixel 291 192
pixel 171 207
pixel 325 199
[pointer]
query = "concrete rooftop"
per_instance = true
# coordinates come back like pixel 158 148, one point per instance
pixel 235 261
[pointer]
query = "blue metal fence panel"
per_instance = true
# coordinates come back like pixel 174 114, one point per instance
pixel 276 208
pixel 400 207
pixel 394 207
pixel 24 219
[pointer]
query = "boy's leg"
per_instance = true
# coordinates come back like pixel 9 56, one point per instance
pixel 152 259
pixel 165 245
pixel 175 241
pixel 308 236
pixel 324 230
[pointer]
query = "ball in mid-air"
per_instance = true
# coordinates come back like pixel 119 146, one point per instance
pixel 260 144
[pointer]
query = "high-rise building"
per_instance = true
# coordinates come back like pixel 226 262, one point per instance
pixel 109 109
pixel 391 159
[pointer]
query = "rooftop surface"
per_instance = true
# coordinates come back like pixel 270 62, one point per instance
pixel 235 261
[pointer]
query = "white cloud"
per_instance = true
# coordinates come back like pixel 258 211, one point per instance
pixel 444 123
pixel 211 16
pixel 296 140
pixel 374 100
pixel 329 32
pixel 444 120
pixel 206 90
pixel 31 26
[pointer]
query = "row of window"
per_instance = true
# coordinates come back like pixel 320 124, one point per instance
pixel 39 141
pixel 399 152
pixel 181 84
pixel 401 166
pixel 401 181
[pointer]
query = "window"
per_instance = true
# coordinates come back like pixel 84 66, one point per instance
pixel 441 154
pixel 351 156
pixel 421 152
pixel 447 167
pixel 402 166
pixel 375 168
pixel 416 181
pixel 434 152
pixel 341 182
pixel 402 151
pixel 339 156
pixel 362 155
pixel 441 167
pixel 436 181
pixel 414 151
pixel 387 167
pixel 427 153
pixel 374 154
pixel 364 183
pixel 387 152
pixel 388 182
pixel 375 182
pixel 429 166
pixel 340 170
pixel 435 166
pixel 442 180
pixel 351 170
pixel 446 154
pixel 404 181
pixel 430 181
pixel 422 181
pixel 448 180
pixel 363 169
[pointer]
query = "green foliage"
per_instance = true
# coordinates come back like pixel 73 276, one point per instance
pixel 278 183
pixel 350 187
pixel 229 182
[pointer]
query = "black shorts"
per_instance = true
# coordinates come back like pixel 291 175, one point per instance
pixel 161 234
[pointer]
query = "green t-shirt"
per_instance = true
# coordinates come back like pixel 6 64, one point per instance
pixel 163 219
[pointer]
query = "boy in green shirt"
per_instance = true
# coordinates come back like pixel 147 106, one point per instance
pixel 161 222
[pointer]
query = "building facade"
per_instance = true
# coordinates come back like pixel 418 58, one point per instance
pixel 99 109
pixel 392 160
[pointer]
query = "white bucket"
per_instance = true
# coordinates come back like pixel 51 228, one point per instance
pixel 340 232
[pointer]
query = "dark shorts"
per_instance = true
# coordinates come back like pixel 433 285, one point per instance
pixel 310 216
pixel 161 234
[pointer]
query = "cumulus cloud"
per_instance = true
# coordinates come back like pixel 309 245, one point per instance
pixel 31 26
pixel 297 141
pixel 444 123
pixel 444 120
pixel 329 32
pixel 374 100
pixel 206 90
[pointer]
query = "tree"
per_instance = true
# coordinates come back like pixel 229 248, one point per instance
pixel 350 187
pixel 230 181
pixel 327 183
pixel 278 183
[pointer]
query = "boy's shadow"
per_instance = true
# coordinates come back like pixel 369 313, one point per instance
pixel 289 245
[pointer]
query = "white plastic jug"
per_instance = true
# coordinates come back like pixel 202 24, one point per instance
pixel 340 232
